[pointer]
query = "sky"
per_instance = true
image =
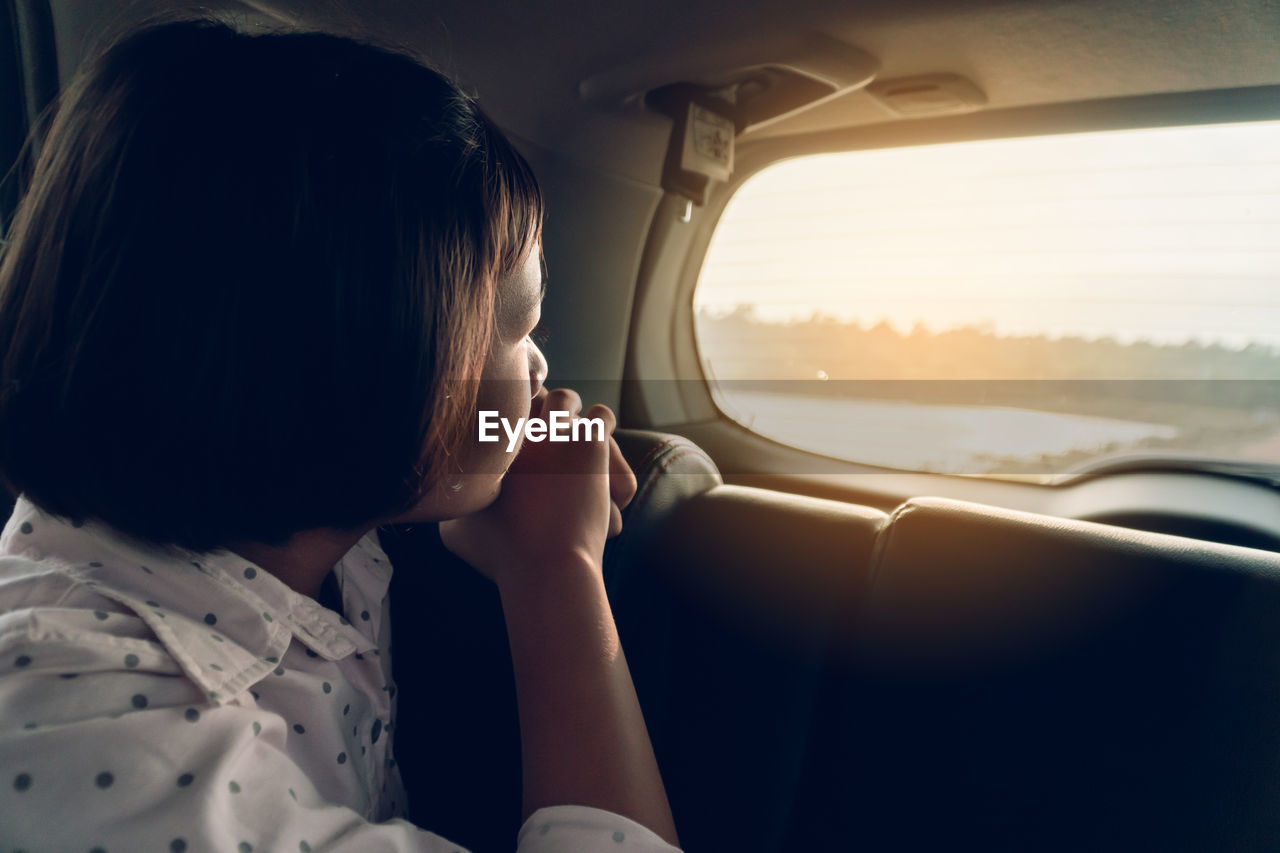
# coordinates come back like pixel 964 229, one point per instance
pixel 1164 235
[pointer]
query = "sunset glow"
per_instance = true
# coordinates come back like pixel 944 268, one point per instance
pixel 1164 235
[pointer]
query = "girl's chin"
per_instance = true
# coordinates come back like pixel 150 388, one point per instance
pixel 462 495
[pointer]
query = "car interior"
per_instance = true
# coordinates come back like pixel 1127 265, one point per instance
pixel 832 653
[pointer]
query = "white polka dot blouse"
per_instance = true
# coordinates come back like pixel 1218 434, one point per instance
pixel 174 701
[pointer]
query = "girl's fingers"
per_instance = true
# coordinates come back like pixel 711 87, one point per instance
pixel 605 414
pixel 563 400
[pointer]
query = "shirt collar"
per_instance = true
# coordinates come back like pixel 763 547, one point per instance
pixel 226 621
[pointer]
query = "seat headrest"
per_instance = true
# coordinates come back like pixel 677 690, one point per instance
pixel 669 471
pixel 764 559
pixel 957 580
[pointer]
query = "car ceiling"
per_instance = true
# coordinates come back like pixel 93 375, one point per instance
pixel 526 61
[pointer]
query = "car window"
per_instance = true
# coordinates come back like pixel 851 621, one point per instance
pixel 1028 306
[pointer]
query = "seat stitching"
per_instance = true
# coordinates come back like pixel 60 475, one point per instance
pixel 652 479
pixel 655 450
pixel 883 539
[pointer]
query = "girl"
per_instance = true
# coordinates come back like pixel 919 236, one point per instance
pixel 249 309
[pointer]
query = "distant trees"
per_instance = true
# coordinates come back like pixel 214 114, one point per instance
pixel 1025 370
pixel 740 345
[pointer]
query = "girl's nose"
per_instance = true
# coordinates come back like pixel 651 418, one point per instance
pixel 537 369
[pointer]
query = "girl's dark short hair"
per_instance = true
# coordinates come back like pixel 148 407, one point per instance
pixel 250 286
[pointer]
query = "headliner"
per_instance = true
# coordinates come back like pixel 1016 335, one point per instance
pixel 527 60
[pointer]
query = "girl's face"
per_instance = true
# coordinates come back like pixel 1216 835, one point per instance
pixel 513 374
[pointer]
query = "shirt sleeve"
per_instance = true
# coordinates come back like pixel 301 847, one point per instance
pixel 586 830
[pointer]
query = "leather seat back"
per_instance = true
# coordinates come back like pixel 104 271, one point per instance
pixel 724 599
pixel 1027 682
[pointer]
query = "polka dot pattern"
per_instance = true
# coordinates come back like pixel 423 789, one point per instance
pixel 212 638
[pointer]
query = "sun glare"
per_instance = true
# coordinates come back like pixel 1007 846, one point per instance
pixel 1163 235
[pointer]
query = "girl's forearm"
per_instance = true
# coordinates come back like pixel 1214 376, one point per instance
pixel 583 738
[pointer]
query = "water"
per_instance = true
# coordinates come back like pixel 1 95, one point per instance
pixel 924 437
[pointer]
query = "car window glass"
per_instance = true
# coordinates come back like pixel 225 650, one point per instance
pixel 1024 306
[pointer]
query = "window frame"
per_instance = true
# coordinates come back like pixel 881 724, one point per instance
pixel 666 385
